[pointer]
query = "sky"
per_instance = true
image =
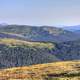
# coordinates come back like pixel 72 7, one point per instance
pixel 40 12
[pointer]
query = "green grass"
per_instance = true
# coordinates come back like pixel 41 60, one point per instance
pixel 15 42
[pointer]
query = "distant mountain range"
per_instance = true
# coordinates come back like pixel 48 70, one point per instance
pixel 42 33
pixel 72 28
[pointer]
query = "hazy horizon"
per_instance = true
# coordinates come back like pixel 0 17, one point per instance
pixel 61 26
pixel 40 12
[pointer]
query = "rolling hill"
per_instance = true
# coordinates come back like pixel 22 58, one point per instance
pixel 40 33
pixel 23 45
pixel 69 70
pixel 10 35
pixel 36 48
pixel 14 52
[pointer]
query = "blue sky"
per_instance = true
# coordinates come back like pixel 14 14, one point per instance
pixel 40 12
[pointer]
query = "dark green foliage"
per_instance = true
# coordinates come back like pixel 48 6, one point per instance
pixel 68 50
pixel 11 56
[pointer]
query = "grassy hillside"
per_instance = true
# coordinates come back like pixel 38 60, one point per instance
pixel 69 70
pixel 16 42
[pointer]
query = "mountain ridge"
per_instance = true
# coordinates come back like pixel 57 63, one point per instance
pixel 43 33
pixel 72 28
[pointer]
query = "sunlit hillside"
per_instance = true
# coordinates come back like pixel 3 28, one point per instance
pixel 15 42
pixel 69 70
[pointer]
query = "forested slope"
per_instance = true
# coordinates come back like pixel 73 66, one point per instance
pixel 15 52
